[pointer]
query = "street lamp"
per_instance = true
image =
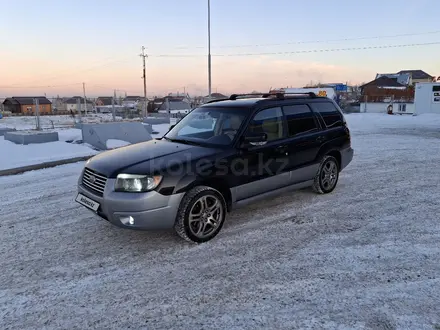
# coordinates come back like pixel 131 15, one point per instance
pixel 209 49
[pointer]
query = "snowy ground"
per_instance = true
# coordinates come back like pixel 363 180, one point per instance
pixel 24 155
pixel 366 256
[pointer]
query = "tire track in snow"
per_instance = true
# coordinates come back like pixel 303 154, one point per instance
pixel 355 258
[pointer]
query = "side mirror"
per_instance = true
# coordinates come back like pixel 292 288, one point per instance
pixel 254 139
pixel 171 127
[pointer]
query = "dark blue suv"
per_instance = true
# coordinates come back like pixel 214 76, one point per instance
pixel 221 155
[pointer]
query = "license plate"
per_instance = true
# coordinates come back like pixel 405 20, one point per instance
pixel 87 202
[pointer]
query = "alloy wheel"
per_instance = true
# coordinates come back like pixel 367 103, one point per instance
pixel 205 216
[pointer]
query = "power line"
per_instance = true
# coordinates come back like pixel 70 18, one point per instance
pixel 316 41
pixel 303 51
pixel 112 88
pixel 249 54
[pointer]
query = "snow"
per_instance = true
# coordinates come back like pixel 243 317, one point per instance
pixel 70 134
pixel 366 122
pixel 161 129
pixel 363 257
pixel 113 143
pixel 24 155
pixel 17 155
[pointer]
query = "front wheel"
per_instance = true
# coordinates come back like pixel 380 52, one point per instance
pixel 201 215
pixel 327 176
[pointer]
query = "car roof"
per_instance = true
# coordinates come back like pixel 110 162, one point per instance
pixel 239 103
pixel 251 102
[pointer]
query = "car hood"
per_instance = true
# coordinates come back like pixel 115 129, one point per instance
pixel 110 163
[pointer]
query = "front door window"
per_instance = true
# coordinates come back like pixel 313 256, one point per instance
pixel 269 121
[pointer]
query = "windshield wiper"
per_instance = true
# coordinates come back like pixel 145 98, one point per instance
pixel 185 141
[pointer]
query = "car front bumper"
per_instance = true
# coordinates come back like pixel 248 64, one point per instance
pixel 148 211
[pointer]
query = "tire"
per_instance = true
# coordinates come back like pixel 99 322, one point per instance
pixel 186 225
pixel 327 176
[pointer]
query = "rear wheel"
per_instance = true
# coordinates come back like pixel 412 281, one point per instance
pixel 327 176
pixel 201 215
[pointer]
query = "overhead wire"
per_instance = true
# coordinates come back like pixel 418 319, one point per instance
pixel 242 55
pixel 300 51
pixel 315 41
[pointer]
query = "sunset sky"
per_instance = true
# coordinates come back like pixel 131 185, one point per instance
pixel 53 46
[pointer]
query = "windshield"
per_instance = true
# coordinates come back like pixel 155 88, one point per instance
pixel 215 126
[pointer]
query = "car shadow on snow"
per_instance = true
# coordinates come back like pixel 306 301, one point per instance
pixel 249 216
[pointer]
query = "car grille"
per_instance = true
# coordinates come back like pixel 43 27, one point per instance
pixel 94 181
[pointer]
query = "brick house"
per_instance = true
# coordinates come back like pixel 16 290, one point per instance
pixel 26 105
pixel 104 101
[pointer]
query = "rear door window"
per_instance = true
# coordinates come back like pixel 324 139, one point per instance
pixel 330 114
pixel 300 119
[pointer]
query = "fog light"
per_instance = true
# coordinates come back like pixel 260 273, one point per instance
pixel 127 220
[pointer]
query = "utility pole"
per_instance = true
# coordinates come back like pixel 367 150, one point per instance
pixel 209 49
pixel 113 105
pixel 37 112
pixel 78 108
pixel 144 76
pixel 85 100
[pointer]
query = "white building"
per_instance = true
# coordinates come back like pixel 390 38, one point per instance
pixel 427 98
pixel 384 107
pixel 71 104
pixel 132 102
pixel 384 95
pixel 320 91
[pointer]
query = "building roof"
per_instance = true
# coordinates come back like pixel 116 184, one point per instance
pixel 417 74
pixel 383 81
pixel 402 78
pixel 106 100
pixel 132 98
pixel 74 99
pixel 27 100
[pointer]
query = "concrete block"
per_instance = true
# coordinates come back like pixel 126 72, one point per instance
pixel 4 130
pixel 98 134
pixel 149 128
pixel 30 137
pixel 157 120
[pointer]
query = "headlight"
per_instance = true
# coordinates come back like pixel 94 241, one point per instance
pixel 136 183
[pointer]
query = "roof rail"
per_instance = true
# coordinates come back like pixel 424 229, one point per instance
pixel 217 100
pixel 309 94
pixel 235 96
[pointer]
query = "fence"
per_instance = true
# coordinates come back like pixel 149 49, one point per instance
pixel 59 109
pixel 386 98
pixel 58 113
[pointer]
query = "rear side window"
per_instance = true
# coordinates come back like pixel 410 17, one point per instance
pixel 329 113
pixel 299 119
